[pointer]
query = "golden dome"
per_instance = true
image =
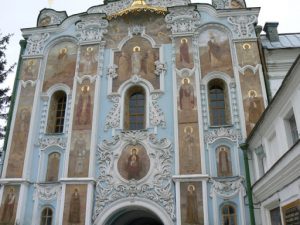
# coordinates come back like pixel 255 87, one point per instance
pixel 139 6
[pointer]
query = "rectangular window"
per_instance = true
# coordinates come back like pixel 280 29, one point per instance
pixel 293 129
pixel 275 216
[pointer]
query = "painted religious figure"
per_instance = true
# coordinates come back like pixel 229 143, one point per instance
pixel 136 60
pixel 192 217
pixel 224 162
pixel 137 57
pixel 134 163
pixel 74 211
pixel 61 64
pixel 89 61
pixel 80 154
pixel 23 125
pixel 189 143
pixel 184 58
pixel 123 66
pixel 30 69
pixel 191 204
pixel 62 59
pixel 8 207
pixel 255 108
pixel 184 52
pixel 20 133
pixel 83 113
pixel 53 167
pixel 150 62
pixel 215 54
pixel 186 95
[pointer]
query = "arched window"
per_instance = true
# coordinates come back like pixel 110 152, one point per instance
pixel 135 104
pixel 53 167
pixel 218 103
pixel 56 112
pixel 228 215
pixel 47 216
pixel 224 161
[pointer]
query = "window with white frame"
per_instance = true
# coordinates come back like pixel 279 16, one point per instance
pixel 56 113
pixel 135 109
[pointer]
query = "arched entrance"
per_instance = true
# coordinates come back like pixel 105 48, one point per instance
pixel 134 216
pixel 134 212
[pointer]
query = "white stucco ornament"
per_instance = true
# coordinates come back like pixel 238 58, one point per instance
pixel 156 186
pixel 183 20
pixel 47 192
pixel 243 26
pixel 91 28
pixel 227 189
pixel 36 44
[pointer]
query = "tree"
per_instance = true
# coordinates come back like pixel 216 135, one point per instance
pixel 4 71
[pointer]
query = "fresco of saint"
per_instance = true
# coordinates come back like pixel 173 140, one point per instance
pixel 186 95
pixel 133 165
pixel 74 211
pixel 8 208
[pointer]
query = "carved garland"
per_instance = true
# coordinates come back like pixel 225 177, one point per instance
pixel 113 117
pixel 222 132
pixel 47 193
pixel 158 188
pixel 227 189
pixel 157 116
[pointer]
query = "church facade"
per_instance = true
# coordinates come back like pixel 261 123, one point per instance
pixel 133 112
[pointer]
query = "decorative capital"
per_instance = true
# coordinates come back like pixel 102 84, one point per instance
pixel 160 68
pixel 243 26
pixel 50 140
pixel 91 28
pixel 36 44
pixel 183 20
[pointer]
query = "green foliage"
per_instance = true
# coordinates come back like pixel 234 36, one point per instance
pixel 4 71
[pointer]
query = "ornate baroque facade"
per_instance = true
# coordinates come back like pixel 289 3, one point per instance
pixel 133 113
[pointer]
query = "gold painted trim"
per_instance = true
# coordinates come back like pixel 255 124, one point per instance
pixel 138 6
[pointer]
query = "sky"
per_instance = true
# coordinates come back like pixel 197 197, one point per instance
pixel 17 14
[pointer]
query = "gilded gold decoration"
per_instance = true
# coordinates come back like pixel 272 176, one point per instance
pixel 246 46
pixel 185 79
pixel 183 40
pixel 139 6
pixel 188 129
pixel 252 93
pixel 85 88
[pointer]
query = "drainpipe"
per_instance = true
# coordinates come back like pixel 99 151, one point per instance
pixel 13 99
pixel 244 147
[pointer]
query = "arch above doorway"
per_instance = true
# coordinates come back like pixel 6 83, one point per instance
pixel 134 212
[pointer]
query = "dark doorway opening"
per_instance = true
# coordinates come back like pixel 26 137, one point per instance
pixel 134 216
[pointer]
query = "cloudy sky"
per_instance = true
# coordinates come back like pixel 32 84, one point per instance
pixel 17 14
